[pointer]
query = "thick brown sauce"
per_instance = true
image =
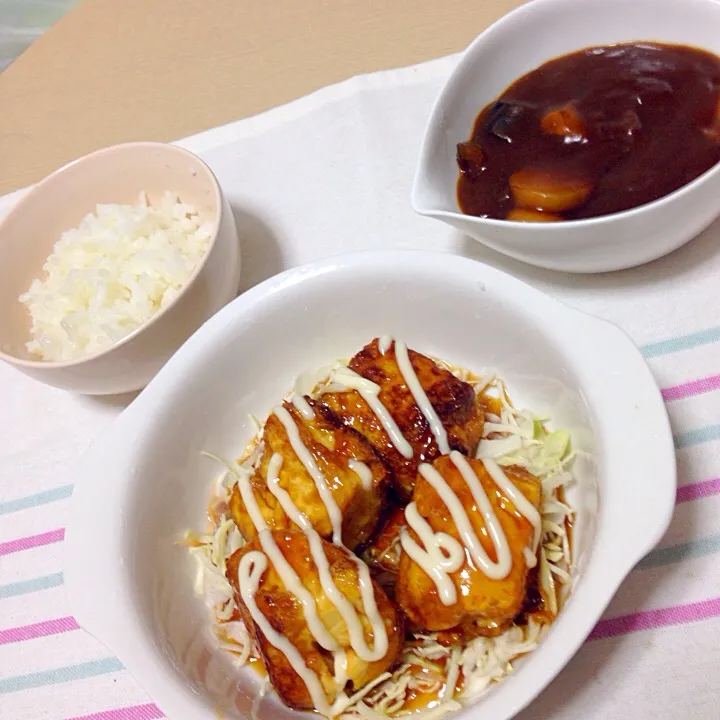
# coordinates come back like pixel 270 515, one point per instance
pixel 592 133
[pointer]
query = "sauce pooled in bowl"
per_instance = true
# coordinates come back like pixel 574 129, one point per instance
pixel 592 133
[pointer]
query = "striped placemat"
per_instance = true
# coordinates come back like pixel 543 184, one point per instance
pixel 48 664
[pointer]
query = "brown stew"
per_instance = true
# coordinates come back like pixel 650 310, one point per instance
pixel 593 133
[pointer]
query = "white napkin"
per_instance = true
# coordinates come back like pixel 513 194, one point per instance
pixel 328 174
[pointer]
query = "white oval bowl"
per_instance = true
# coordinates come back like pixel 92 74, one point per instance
pixel 144 481
pixel 512 47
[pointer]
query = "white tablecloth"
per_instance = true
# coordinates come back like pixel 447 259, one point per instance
pixel 324 175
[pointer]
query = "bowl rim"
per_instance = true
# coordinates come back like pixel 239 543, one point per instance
pixel 100 590
pixel 20 206
pixel 523 13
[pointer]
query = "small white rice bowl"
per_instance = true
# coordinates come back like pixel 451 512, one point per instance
pixel 111 274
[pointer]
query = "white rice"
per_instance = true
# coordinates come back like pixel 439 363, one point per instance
pixel 111 274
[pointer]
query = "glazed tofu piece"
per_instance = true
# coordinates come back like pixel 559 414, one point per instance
pixel 452 399
pixel 284 612
pixel 355 475
pixel 483 605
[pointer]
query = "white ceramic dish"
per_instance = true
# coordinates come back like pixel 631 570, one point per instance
pixel 144 481
pixel 517 44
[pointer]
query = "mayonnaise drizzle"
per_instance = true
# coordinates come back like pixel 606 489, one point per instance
pixel 347 611
pixel 252 567
pixel 294 585
pixel 283 568
pixel 340 668
pixel 362 471
pixel 283 496
pixel 384 343
pixel 421 398
pixel 521 503
pixel 345 608
pixel 303 406
pixel 340 676
pixel 438 564
pixel 493 569
pixel 308 461
pixel 370 391
pixel 530 557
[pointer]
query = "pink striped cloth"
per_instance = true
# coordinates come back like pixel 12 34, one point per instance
pixel 652 656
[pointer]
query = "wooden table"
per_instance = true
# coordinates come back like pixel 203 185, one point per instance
pixel 118 70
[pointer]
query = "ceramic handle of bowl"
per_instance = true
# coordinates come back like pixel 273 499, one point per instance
pixel 633 434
